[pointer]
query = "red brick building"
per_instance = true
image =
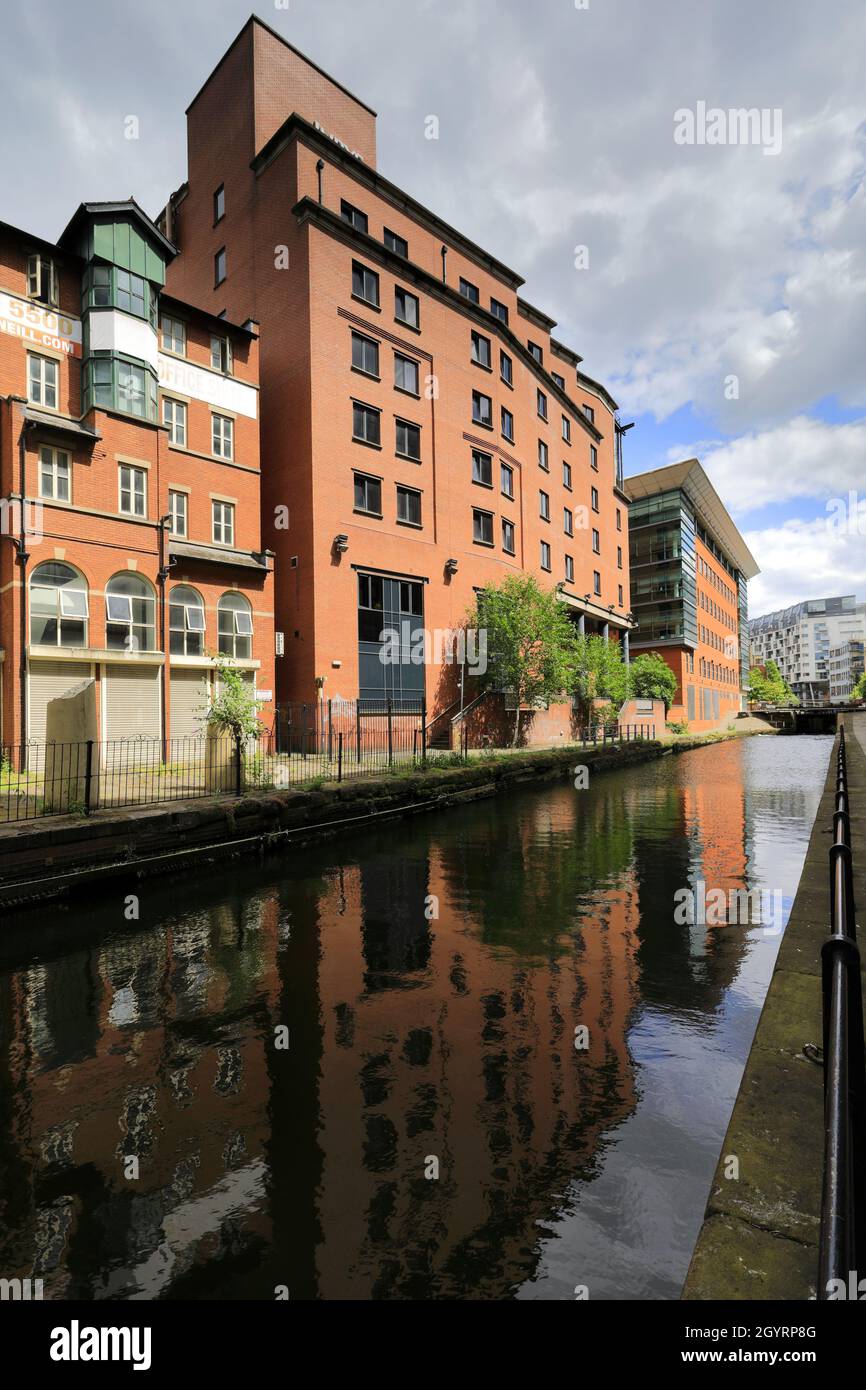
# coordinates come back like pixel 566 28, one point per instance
pixel 129 467
pixel 424 433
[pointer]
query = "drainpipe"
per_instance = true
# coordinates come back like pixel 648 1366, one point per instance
pixel 23 557
pixel 319 170
pixel 444 265
pixel 162 576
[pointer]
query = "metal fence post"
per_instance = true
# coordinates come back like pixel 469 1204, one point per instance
pixel 88 776
pixel 424 732
pixel 357 734
pixel 390 735
pixel 340 756
pixel 238 768
pixel 330 732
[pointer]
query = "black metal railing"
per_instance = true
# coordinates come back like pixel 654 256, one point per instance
pixel 843 1207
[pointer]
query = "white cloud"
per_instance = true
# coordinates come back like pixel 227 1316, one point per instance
pixel 807 559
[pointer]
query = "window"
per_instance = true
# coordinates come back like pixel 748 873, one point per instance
pixel 499 310
pixel 219 266
pixel 109 284
pixel 568 521
pixel 544 506
pixel 560 380
pixel 543 456
pixel 235 627
pixel 508 536
pixel 407 308
pixel 396 243
pixel 58 606
pixel 223 523
pixel 619 594
pixel 115 383
pixel 130 614
pixel 366 424
pixel 173 335
pixel 541 401
pixel 506 480
pixel 408 506
pixel 185 622
pixel 545 555
pixel 409 440
pixel 594 496
pixel 222 436
pixel 589 413
pixel 506 369
pixel 596 542
pixel 41 279
pixel 593 457
pixel 174 416
pixel 41 380
pixel 482 468
pixel 482 527
pixel 219 204
pixel 569 569
pixel 133 490
pixel 353 216
pixel 469 291
pixel 619 557
pixel 365 284
pixel 55 474
pixel 482 409
pixel 566 429
pixel 618 519
pixel 220 353
pixel 132 388
pixel 131 293
pixel 535 351
pixel 566 475
pixel 368 494
pixel 507 425
pixel 365 354
pixel 177 510
pixel 480 350
pixel 406 374
pixel 596 582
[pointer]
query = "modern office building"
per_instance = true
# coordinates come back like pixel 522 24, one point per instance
pixel 131 546
pixel 845 669
pixel 690 569
pixel 799 640
pixel 424 432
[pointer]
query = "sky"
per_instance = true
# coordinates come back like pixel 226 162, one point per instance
pixel 716 288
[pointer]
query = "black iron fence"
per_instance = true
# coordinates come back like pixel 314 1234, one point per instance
pixel 843 1210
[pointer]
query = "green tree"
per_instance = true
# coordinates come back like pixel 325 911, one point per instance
pixel 530 642
pixel 767 686
pixel 859 691
pixel 652 679
pixel 599 671
pixel 234 710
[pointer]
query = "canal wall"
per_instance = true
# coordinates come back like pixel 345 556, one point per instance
pixel 760 1234
pixel 62 856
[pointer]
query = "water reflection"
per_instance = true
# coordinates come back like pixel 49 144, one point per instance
pixel 157 1143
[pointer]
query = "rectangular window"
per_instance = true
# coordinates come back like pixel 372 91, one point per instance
pixel 507 425
pixel 353 216
pixel 506 480
pixel 220 353
pixel 136 389
pixel 55 474
pixel 594 496
pixel 408 505
pixel 499 310
pixel 566 429
pixel 366 424
pixel 541 401
pixel 482 468
pixel 593 457
pixel 482 409
pixel 508 536
pixel 396 243
pixel 407 308
pixel 469 291
pixel 173 335
pixel 596 542
pixel 569 569
pixel 177 510
pixel 219 266
pixel 219 204
pixel 41 279
pixel 480 350
pixel 536 352
pixel 568 521
pixel 132 484
pixel 596 582
pixel 545 555
pixel 560 380
pixel 619 594
pixel 618 519
pixel 619 557
pixel 368 494
pixel 506 369
pixel 223 517
pixel 589 413
pixel 365 284
pixel 543 456
pixel 566 475
pixel 174 416
pixel 42 380
pixel 365 354
pixel 222 436
pixel 406 374
pixel 482 527
pixel 409 440
pixel 544 506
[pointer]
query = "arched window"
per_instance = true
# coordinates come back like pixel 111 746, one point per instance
pixel 235 627
pixel 130 614
pixel 185 622
pixel 58 606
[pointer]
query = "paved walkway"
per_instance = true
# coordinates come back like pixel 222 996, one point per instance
pixel 760 1234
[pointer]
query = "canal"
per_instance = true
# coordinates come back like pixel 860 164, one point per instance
pixel 473 1054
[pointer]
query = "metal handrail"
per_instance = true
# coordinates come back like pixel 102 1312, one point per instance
pixel 843 1206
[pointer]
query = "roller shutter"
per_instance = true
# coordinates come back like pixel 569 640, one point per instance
pixel 132 695
pixel 188 694
pixel 48 679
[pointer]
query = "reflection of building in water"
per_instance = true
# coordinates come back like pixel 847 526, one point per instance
pixel 142 1047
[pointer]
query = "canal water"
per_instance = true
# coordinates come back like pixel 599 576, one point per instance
pixel 471 1055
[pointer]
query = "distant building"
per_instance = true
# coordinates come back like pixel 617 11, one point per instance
pixel 846 668
pixel 689 570
pixel 799 640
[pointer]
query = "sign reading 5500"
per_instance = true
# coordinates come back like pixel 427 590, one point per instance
pixel 40 325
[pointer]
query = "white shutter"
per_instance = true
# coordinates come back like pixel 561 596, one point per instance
pixel 48 679
pixel 132 702
pixel 188 693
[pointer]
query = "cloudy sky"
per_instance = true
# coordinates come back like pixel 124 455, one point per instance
pixel 723 301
